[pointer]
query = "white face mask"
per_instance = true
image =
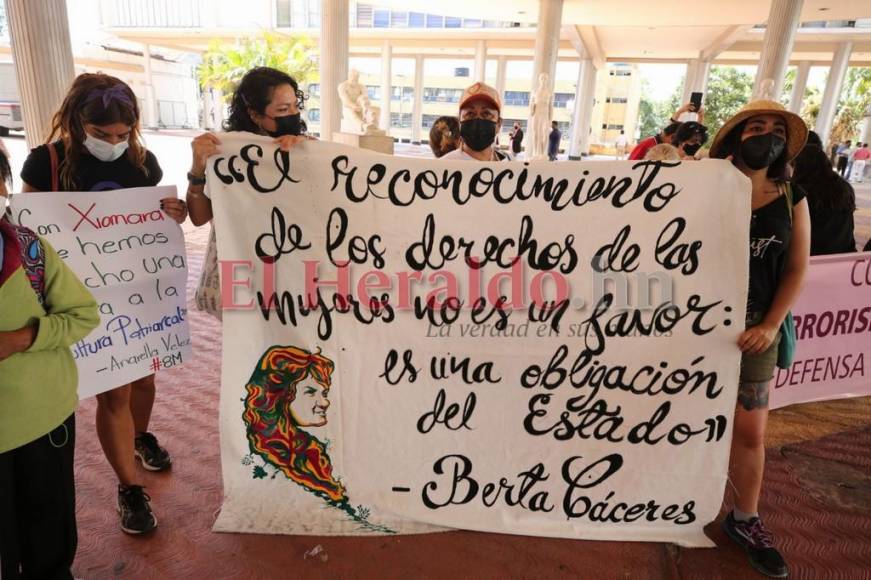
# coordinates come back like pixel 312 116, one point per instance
pixel 105 151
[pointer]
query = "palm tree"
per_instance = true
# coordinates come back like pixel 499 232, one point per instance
pixel 224 64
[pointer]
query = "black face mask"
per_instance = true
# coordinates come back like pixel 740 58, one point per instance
pixel 286 125
pixel 478 134
pixel 691 148
pixel 760 151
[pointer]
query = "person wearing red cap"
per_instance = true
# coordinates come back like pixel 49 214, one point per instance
pixel 480 119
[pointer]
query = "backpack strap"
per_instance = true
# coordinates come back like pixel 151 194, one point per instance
pixel 32 260
pixel 55 177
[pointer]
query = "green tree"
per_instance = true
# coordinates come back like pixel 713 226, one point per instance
pixel 650 113
pixel 224 64
pixel 855 100
pixel 728 90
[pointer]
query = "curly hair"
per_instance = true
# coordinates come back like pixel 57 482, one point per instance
pixel 444 135
pixel 254 93
pixel 271 430
pixel 96 99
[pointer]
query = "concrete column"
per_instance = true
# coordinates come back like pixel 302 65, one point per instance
pixel 417 109
pixel 43 58
pixel 151 119
pixel 582 117
pixel 832 94
pixel 500 76
pixel 696 80
pixel 783 21
pixel 333 63
pixel 386 83
pixel 481 61
pixel 547 35
pixel 798 87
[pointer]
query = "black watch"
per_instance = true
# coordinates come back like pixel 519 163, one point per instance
pixel 194 180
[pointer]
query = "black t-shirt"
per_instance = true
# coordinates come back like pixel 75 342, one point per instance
pixel 93 174
pixel 770 236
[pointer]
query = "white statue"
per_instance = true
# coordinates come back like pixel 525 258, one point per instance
pixel 540 114
pixel 371 116
pixel 350 92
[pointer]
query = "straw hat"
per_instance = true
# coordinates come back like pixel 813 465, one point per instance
pixel 796 130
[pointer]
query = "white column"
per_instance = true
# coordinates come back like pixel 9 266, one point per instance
pixel 696 80
pixel 386 83
pixel 547 35
pixel 481 61
pixel 417 109
pixel 585 97
pixel 783 21
pixel 832 94
pixel 500 76
pixel 150 113
pixel 43 61
pixel 798 87
pixel 218 107
pixel 333 64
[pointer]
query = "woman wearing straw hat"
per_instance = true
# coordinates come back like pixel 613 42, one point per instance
pixel 760 140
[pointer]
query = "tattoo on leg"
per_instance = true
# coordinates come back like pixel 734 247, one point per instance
pixel 753 395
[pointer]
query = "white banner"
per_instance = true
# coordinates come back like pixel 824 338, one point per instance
pixel 349 407
pixel 132 258
pixel 833 330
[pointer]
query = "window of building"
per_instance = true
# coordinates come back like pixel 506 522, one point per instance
pixel 508 125
pixel 374 92
pixel 398 19
pixel 617 100
pixel 462 71
pixel 435 21
pixel 381 19
pixel 517 98
pixel 428 120
pixel 441 95
pixel 314 115
pixel 400 121
pixel 613 127
pixel 620 72
pixel 364 16
pixel 282 14
pixel 453 22
pixel 416 20
pixel 472 23
pixel 561 100
pixel 314 90
pixel 406 92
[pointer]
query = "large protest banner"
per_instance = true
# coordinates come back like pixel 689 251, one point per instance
pixel 833 327
pixel 536 396
pixel 132 258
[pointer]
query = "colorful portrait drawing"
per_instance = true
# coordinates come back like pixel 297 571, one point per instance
pixel 288 394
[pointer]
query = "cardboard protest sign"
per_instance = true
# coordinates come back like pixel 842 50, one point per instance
pixel 529 348
pixel 132 257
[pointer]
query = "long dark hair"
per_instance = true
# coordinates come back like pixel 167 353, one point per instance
pixel 96 99
pixel 254 93
pixel 731 145
pixel 825 188
pixel 5 169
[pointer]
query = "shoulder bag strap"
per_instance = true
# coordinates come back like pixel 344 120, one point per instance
pixel 55 178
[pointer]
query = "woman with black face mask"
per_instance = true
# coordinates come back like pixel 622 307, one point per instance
pixel 760 140
pixel 689 138
pixel 266 102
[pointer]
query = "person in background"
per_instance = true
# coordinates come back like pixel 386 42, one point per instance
pixel 860 162
pixel 760 140
pixel 689 138
pixel 480 118
pixel 663 152
pixel 831 202
pixel 44 309
pixel 844 153
pixel 5 174
pixel 444 135
pixel 620 145
pixel 516 140
pixel 98 148
pixel 664 136
pixel 553 141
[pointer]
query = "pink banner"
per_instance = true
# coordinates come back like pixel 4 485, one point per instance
pixel 833 326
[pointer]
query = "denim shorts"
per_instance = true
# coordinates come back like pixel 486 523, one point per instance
pixel 757 370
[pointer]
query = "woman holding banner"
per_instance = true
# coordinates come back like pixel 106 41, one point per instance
pixel 266 102
pixel 99 148
pixel 760 140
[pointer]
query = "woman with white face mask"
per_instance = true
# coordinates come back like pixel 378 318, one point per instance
pixel 98 147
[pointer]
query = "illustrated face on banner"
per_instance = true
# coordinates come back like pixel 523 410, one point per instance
pixel 309 407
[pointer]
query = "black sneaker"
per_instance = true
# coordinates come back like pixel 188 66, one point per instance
pixel 153 456
pixel 136 514
pixel 758 543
